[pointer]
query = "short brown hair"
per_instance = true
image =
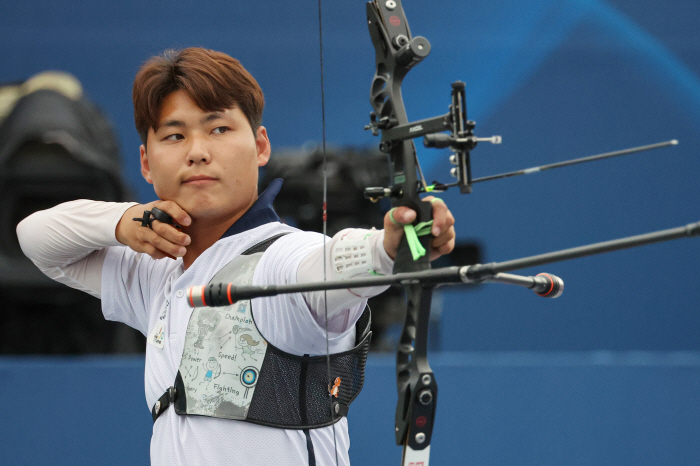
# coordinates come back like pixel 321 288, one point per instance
pixel 214 80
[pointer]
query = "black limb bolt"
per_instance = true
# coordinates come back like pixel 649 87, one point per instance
pixel 414 52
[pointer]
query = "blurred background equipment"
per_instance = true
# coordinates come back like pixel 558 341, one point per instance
pixel 55 146
pixel 349 171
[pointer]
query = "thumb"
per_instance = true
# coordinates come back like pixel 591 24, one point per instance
pixel 394 221
pixel 397 217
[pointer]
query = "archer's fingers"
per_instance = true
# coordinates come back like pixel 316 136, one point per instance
pixel 175 211
pixel 146 248
pixel 446 248
pixel 442 217
pixel 151 238
pixel 445 238
pixel 171 234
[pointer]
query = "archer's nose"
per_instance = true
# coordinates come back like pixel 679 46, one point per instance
pixel 198 152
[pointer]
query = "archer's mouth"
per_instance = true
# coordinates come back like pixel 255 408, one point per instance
pixel 199 179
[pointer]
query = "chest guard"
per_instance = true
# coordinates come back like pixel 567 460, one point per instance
pixel 228 370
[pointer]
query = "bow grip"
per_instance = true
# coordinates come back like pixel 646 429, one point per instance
pixel 404 259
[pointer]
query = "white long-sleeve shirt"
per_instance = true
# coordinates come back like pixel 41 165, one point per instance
pixel 68 244
pixel 75 244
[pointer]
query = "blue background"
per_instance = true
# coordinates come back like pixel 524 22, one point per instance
pixel 512 408
pixel 558 80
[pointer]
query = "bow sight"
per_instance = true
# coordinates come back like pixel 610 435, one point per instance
pixel 461 141
pixel 397 51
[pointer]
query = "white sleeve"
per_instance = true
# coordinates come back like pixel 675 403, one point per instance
pixel 67 242
pixel 351 253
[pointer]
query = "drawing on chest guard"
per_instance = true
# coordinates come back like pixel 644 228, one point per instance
pixel 208 404
pixel 213 370
pixel 208 321
pixel 235 330
pixel 223 351
pixel 190 372
pixel 246 343
pixel 249 377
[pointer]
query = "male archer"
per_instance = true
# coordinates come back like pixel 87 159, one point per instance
pixel 199 113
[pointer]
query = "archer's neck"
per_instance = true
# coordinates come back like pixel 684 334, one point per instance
pixel 204 232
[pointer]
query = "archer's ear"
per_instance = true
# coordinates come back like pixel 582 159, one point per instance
pixel 145 168
pixel 262 142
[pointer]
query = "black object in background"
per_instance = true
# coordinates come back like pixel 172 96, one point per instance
pixel 54 148
pixel 349 171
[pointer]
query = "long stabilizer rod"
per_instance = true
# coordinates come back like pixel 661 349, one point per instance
pixel 224 294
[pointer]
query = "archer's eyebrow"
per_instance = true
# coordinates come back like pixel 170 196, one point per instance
pixel 211 117
pixel 181 124
pixel 173 123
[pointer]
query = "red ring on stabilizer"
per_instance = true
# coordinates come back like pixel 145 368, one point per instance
pixel 228 293
pixel 550 281
pixel 203 302
pixel 191 298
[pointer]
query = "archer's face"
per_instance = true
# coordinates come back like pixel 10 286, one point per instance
pixel 206 162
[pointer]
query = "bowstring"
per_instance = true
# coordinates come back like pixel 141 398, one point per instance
pixel 325 226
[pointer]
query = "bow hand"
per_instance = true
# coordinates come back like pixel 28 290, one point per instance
pixel 442 228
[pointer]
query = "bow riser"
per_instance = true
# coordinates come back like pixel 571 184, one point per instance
pixel 389 111
pixel 396 53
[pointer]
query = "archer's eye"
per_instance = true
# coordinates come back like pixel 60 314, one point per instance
pixel 173 137
pixel 220 130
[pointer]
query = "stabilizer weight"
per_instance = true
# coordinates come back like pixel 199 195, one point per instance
pixel 214 294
